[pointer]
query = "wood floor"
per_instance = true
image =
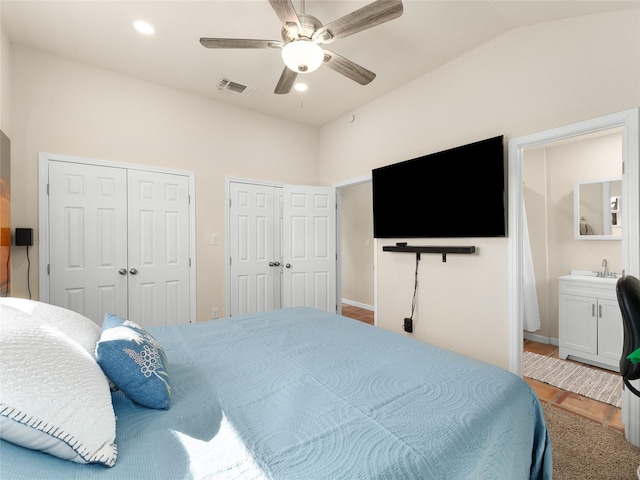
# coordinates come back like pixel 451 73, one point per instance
pixel 358 313
pixel 602 413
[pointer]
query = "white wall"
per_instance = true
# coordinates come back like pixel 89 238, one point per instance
pixel 5 83
pixel 61 106
pixel 528 80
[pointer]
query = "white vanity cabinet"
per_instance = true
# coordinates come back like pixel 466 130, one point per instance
pixel 590 321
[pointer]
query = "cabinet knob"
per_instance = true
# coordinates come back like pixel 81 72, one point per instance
pixel 133 271
pixel 122 271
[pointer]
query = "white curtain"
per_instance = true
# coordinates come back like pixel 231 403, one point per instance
pixel 531 320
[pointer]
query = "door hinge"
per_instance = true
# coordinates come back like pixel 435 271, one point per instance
pixel 189 199
pixel 48 269
pixel 189 262
pixel 229 203
pixel 230 261
pixel 48 184
pixel 623 164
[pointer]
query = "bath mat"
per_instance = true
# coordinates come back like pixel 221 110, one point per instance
pixel 589 382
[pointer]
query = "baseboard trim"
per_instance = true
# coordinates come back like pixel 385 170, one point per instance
pixel 353 303
pixel 540 339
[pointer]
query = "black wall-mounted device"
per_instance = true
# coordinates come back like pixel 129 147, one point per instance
pixel 24 236
pixel 408 325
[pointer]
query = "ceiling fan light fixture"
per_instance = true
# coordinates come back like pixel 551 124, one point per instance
pixel 302 56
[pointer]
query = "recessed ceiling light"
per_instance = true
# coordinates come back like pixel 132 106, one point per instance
pixel 144 27
pixel 301 87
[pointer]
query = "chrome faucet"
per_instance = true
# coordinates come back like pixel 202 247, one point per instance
pixel 605 271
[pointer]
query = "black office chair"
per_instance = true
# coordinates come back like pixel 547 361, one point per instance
pixel 628 292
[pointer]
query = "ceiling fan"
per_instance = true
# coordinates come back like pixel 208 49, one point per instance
pixel 302 35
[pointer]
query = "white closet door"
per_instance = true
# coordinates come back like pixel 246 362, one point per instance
pixel 158 248
pixel 88 238
pixel 255 262
pixel 309 244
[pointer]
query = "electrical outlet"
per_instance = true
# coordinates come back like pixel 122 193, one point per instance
pixel 214 312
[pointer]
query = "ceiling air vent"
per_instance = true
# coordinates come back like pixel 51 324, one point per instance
pixel 227 85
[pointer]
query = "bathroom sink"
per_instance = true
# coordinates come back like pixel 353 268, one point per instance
pixel 587 276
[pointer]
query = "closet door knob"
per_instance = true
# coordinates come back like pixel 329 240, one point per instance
pixel 122 271
pixel 288 265
pixel 133 271
pixel 276 264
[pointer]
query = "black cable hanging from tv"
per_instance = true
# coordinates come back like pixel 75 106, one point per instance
pixel 28 273
pixel 408 322
pixel 415 287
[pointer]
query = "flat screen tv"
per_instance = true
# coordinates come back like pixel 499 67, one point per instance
pixel 454 193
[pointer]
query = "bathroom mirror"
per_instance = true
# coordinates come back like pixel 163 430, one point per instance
pixel 597 209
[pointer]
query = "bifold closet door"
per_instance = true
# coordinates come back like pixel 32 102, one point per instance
pixel 282 244
pixel 158 241
pixel 119 243
pixel 88 239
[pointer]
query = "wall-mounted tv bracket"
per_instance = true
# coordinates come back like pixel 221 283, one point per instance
pixel 430 249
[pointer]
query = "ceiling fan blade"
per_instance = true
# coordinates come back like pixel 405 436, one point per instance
pixel 348 68
pixel 286 13
pixel 287 79
pixel 239 43
pixel 375 13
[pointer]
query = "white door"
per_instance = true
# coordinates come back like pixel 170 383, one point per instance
pixel 88 238
pixel 309 245
pixel 119 243
pixel 158 248
pixel 255 252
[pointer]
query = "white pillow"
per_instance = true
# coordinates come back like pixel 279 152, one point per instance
pixel 72 324
pixel 54 396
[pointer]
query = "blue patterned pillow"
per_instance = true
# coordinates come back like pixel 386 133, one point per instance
pixel 134 361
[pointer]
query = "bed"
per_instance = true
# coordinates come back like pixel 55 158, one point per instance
pixel 303 394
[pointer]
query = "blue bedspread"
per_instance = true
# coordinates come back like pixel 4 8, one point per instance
pixel 300 394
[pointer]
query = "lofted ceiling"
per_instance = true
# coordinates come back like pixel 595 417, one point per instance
pixel 428 34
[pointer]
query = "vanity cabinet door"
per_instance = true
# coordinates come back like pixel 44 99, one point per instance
pixel 610 332
pixel 578 324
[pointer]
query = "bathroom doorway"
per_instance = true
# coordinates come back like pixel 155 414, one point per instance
pixel 629 122
pixel 551 172
pixel 356 245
